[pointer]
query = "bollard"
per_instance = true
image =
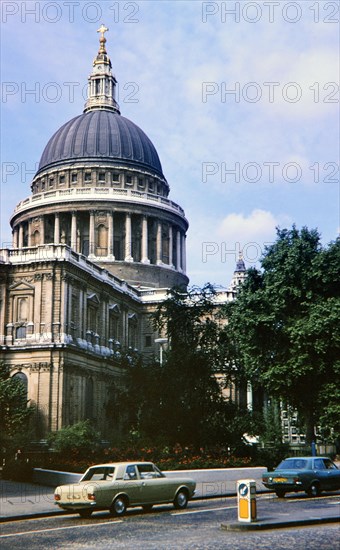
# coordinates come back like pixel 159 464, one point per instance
pixel 246 500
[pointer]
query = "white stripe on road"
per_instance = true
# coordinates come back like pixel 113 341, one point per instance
pixel 60 529
pixel 202 511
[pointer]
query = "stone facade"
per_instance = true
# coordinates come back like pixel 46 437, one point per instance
pixel 64 324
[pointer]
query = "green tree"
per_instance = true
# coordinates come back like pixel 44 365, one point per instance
pixel 285 324
pixel 196 369
pixel 181 400
pixel 14 411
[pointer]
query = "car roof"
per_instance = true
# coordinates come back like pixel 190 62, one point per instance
pixel 305 457
pixel 116 464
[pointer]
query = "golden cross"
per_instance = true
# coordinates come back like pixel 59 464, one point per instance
pixel 102 29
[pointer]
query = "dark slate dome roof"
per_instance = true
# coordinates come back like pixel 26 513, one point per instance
pixel 101 135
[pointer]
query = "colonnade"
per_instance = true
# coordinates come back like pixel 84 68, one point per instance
pixel 97 230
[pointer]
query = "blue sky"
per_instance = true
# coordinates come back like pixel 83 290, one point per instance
pixel 241 100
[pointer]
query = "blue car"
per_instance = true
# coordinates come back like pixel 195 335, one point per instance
pixel 311 474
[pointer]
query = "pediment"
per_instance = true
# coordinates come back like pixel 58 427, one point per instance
pixel 94 299
pixel 22 286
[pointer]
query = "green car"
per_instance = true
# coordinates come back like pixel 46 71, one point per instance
pixel 117 486
pixel 311 474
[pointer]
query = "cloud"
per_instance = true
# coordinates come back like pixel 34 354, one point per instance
pixel 214 244
pixel 252 232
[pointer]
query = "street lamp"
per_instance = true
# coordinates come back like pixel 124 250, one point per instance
pixel 161 342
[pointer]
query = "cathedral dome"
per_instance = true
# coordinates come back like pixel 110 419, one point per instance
pixel 101 135
pixel 100 190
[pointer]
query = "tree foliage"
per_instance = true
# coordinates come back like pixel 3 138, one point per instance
pixel 181 401
pixel 285 323
pixel 14 412
pixel 81 438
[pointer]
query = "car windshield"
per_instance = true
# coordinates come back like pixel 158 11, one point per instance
pixel 101 473
pixel 293 464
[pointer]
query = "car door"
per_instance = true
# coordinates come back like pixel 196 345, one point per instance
pixel 320 472
pixel 332 475
pixel 132 484
pixel 155 486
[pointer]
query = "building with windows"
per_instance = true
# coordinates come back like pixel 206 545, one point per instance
pixel 95 246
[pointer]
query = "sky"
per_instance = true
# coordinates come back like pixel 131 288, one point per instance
pixel 241 100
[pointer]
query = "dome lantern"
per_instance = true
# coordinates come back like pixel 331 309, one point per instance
pixel 102 83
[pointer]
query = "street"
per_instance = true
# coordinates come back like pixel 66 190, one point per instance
pixel 198 527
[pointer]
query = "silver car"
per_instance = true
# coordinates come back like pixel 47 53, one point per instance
pixel 120 485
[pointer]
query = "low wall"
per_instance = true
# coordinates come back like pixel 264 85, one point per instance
pixel 220 482
pixel 210 483
pixel 53 478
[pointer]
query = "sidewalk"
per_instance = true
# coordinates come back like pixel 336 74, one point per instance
pixel 24 500
pixel 281 513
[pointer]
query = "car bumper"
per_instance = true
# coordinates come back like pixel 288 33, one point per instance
pixel 294 486
pixel 76 505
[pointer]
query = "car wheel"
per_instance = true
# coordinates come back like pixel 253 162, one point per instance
pixel 147 508
pixel 86 513
pixel 181 500
pixel 118 507
pixel 313 490
pixel 280 493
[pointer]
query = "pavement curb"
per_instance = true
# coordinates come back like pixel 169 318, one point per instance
pixel 38 515
pixel 260 526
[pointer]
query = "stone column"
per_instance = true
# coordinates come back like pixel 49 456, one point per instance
pixel 145 258
pixel 42 230
pixel 21 236
pixel 15 237
pixel 91 235
pixel 178 251
pixel 184 254
pixel 74 231
pixel 128 254
pixel 29 233
pixel 170 245
pixel 110 236
pixel 159 244
pixel 56 228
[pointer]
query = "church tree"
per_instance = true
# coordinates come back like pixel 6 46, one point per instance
pixel 285 326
